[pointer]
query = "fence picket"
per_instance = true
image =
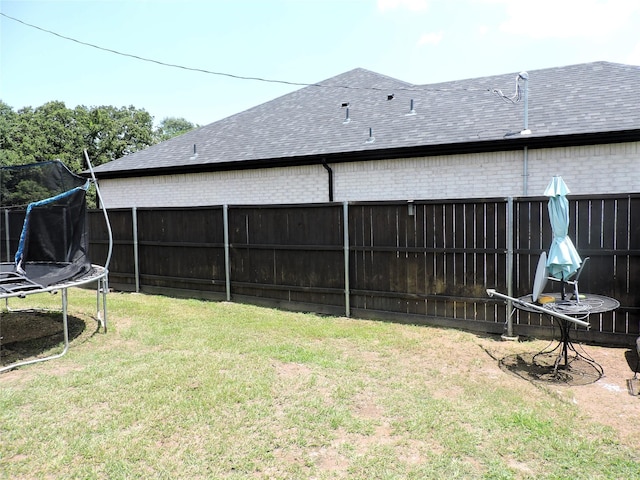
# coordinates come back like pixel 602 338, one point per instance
pixel 418 261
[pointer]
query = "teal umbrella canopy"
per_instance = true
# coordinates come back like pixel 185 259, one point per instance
pixel 563 259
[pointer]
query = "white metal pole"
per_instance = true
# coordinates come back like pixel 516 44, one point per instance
pixel 492 293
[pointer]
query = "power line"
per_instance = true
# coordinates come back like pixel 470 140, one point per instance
pixel 517 96
pixel 150 60
pixel 224 74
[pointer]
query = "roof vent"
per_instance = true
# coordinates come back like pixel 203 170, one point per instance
pixel 346 117
pixel 411 109
pixel 344 104
pixel 390 96
pixel 195 153
pixel 371 138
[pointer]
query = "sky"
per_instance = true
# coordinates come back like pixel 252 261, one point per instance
pixel 281 44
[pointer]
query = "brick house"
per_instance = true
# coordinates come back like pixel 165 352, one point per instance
pixel 364 136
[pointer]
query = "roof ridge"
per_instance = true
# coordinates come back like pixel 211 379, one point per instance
pixel 595 98
pixel 534 72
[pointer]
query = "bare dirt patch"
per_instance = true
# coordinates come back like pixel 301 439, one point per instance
pixel 608 400
pixel 34 333
pixel 604 398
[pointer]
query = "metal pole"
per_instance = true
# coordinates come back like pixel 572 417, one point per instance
pixel 509 272
pixel 104 210
pixel 6 234
pixel 103 283
pixel 99 288
pixel 103 287
pixel 136 260
pixel 492 293
pixel 65 332
pixel 525 172
pixel 8 247
pixel 227 261
pixel 345 226
pixel 105 290
pixel 65 320
pixel 525 76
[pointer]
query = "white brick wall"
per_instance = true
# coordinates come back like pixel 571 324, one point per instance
pixel 587 170
pixel 269 185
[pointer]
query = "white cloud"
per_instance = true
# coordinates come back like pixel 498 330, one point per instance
pixel 565 18
pixel 483 30
pixel 432 38
pixel 412 5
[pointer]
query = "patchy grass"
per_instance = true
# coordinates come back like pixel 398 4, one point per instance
pixel 193 389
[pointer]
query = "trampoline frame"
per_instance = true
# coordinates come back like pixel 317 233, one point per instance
pixel 97 273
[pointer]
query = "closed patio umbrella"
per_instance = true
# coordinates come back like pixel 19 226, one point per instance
pixel 563 259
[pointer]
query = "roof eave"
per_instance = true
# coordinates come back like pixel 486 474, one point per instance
pixel 514 142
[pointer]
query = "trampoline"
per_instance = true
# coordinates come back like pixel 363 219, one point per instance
pixel 44 234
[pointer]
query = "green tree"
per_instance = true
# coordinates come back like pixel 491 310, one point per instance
pixel 115 132
pixel 172 127
pixel 8 156
pixel 53 131
pixel 49 132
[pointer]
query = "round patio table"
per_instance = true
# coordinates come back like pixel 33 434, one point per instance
pixel 581 308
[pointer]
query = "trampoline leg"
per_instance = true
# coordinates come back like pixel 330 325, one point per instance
pixel 65 332
pixel 98 313
pixel 65 321
pixel 101 314
pixel 105 290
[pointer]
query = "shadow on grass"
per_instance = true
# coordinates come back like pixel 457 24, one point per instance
pixel 33 333
pixel 540 368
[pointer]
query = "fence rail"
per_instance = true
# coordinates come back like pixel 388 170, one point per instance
pixel 420 261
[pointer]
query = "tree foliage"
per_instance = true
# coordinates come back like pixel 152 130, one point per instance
pixel 53 131
pixel 172 127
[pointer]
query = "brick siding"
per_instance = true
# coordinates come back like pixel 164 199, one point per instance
pixel 596 169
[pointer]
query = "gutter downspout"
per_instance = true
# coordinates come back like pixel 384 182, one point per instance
pixel 330 172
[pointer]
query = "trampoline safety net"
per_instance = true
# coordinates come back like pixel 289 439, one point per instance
pixel 49 201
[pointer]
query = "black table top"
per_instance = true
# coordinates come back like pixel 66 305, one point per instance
pixel 588 303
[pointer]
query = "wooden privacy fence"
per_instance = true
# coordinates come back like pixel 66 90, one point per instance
pixel 423 262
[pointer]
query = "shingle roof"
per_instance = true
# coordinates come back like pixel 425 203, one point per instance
pixel 580 102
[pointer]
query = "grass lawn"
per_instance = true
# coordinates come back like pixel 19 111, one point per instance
pixel 192 389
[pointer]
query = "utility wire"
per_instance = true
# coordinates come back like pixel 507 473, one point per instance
pixel 222 74
pixel 150 60
pixel 515 98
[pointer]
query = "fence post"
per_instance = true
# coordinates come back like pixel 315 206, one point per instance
pixel 345 226
pixel 8 246
pixel 136 258
pixel 509 273
pixel 6 233
pixel 227 262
